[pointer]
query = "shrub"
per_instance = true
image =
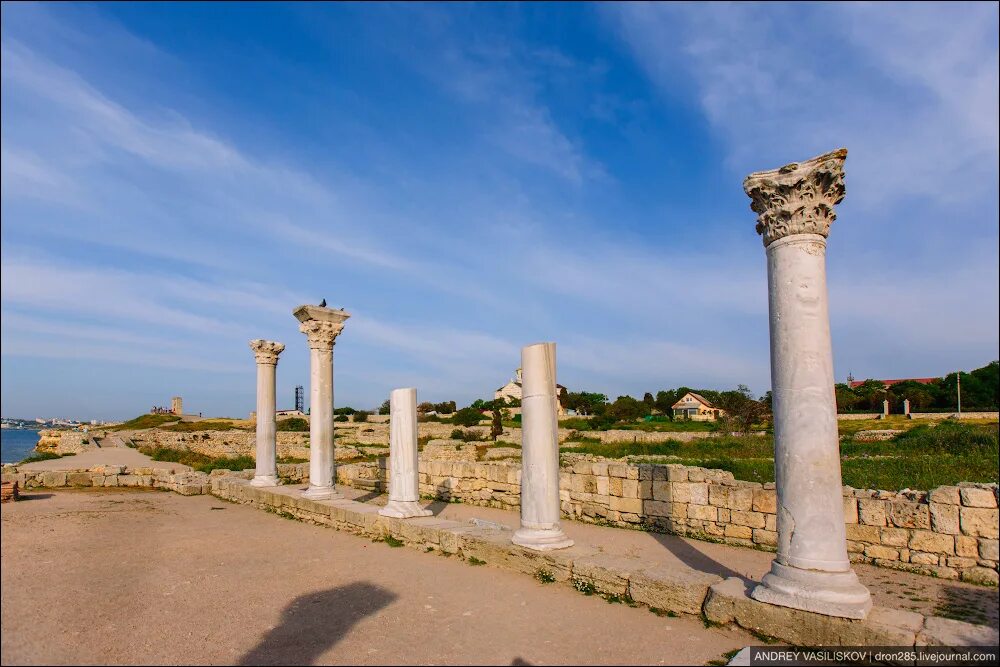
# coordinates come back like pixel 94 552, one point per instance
pixel 466 436
pixel 144 421
pixel 341 418
pixel 361 416
pixel 466 417
pixel 293 424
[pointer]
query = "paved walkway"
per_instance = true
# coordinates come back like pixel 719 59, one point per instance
pixel 890 588
pixel 102 456
pixel 127 577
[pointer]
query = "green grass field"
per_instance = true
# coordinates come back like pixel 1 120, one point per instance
pixel 144 421
pixel 923 457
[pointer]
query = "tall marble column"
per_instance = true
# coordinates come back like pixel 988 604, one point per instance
pixel 540 516
pixel 266 353
pixel 811 570
pixel 403 483
pixel 321 326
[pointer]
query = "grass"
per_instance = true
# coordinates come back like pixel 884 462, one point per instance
pixel 584 586
pixel 923 457
pixel 545 576
pixel 44 456
pixel 392 541
pixel 472 560
pixel 200 462
pixel 289 459
pixel 295 424
pixel 144 421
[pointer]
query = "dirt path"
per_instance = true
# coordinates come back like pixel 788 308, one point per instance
pixel 151 577
pixel 103 456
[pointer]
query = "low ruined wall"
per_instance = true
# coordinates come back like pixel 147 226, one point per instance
pixel 186 483
pixel 58 441
pixel 950 532
pixel 853 417
pixel 954 415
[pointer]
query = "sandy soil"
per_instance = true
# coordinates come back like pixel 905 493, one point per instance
pixel 103 456
pixel 125 576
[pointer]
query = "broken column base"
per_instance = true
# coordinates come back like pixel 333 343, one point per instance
pixel 541 539
pixel 404 509
pixel 322 493
pixel 264 480
pixel 829 593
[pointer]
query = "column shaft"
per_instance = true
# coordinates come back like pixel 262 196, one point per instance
pixel 267 468
pixel 404 491
pixel 321 456
pixel 540 510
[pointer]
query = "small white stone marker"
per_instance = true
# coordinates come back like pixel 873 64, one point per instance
pixel 321 326
pixel 403 483
pixel 266 353
pixel 811 570
pixel 540 516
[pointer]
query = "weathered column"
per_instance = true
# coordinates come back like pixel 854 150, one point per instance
pixel 811 570
pixel 540 516
pixel 403 483
pixel 906 407
pixel 321 326
pixel 885 408
pixel 266 353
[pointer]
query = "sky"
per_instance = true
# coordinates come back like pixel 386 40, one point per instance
pixel 469 179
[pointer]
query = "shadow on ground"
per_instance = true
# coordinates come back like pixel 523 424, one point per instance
pixel 313 623
pixel 972 605
pixel 692 556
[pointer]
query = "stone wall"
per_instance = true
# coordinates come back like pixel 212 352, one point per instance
pixel 950 532
pixel 955 415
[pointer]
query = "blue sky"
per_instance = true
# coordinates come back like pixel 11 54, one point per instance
pixel 468 179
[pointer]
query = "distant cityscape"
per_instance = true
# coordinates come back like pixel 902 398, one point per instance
pixel 40 422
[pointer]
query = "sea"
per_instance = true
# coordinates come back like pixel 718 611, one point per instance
pixel 16 444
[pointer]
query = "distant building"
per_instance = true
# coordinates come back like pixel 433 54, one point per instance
pixel 513 390
pixel 177 405
pixel 889 383
pixel 696 408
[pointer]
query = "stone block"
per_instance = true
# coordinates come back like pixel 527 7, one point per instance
pixel 718 495
pixel 966 547
pixel 633 505
pixel 739 531
pixel 630 488
pixel 984 576
pixel 702 512
pixel 974 497
pixel 618 470
pixel 850 510
pixel 905 514
pixel 741 498
pixel 861 533
pixel 987 549
pixel 771 522
pixel 980 522
pixel 765 500
pixel 729 601
pixel 871 512
pixel 765 537
pixel 944 518
pixel 80 479
pixel 661 490
pixel 696 474
pixel 677 473
pixel 893 537
pixel 878 551
pixel 615 486
pixel 939 631
pixel 677 589
pixel 924 558
pixel 607 572
pixel 751 519
pixel 925 540
pixel 53 479
pixel 945 495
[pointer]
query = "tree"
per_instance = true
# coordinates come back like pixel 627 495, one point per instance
pixel 742 410
pixel 384 408
pixel 584 403
pixel 425 407
pixel 496 425
pixel 664 402
pixel 648 399
pixel 466 417
pixel 361 416
pixel 846 398
pixel 626 408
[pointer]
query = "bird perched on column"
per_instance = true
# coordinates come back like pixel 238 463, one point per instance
pixel 322 304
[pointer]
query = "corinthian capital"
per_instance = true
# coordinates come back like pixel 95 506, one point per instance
pixel 266 351
pixel 797 198
pixel 321 335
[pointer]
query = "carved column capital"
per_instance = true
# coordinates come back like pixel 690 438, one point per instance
pixel 321 335
pixel 797 198
pixel 266 351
